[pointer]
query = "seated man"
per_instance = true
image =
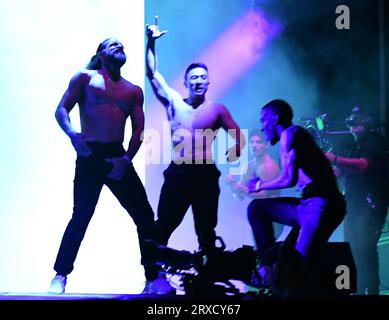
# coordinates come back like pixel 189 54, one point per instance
pixel 261 166
pixel 321 207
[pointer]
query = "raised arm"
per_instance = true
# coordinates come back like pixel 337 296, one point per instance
pixel 158 83
pixel 73 95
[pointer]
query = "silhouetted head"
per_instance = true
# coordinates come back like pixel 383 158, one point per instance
pixel 358 120
pixel 275 113
pixel 110 51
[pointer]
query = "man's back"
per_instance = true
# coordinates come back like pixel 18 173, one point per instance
pixel 314 168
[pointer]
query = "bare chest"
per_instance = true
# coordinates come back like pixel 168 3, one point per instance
pixel 105 92
pixel 256 170
pixel 203 117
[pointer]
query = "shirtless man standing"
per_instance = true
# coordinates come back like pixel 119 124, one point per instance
pixel 192 178
pixel 105 100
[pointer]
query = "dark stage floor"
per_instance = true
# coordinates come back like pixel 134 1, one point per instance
pixel 102 296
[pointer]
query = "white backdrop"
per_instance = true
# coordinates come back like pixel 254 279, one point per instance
pixel 44 43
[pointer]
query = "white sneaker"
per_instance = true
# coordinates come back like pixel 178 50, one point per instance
pixel 158 286
pixel 58 284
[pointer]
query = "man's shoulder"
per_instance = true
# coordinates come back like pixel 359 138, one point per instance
pixel 288 132
pixel 131 86
pixel 85 74
pixel 270 164
pixel 82 77
pixel 290 136
pixel 218 107
pixel 294 128
pixel 295 132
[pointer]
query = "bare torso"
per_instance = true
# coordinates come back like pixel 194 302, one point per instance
pixel 105 106
pixel 264 168
pixel 257 167
pixel 193 130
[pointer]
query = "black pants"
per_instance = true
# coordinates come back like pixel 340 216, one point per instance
pixel 362 228
pixel 315 217
pixel 186 185
pixel 91 175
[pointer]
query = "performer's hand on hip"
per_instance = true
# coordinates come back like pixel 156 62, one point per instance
pixel 80 145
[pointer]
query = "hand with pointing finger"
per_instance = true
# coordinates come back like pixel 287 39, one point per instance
pixel 152 30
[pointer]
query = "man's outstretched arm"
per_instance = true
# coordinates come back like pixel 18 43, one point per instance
pixel 158 83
